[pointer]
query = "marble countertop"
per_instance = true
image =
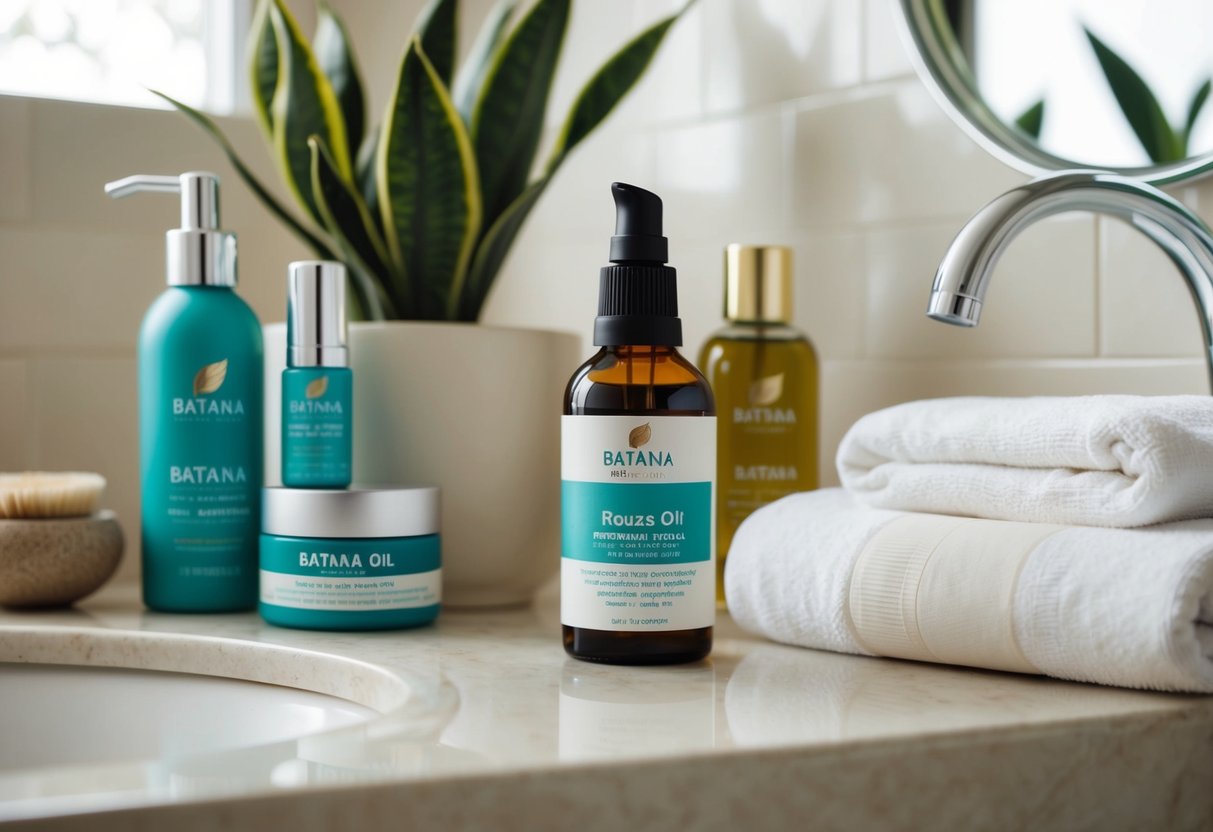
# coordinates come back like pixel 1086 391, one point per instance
pixel 487 724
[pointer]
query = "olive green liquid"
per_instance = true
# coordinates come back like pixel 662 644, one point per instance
pixel 765 378
pixel 641 381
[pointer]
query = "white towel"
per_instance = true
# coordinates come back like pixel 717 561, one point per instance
pixel 1132 608
pixel 1120 461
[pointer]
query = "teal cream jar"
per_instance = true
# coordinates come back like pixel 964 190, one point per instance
pixel 350 559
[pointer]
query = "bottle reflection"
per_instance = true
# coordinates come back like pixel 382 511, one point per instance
pixel 606 714
pixel 789 696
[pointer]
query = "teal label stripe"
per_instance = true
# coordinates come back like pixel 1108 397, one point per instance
pixel 376 556
pixel 636 523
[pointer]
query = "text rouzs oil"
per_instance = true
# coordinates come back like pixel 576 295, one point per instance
pixel 638 464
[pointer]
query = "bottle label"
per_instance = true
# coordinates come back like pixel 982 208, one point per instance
pixel 316 420
pixel 637 525
pixel 351 575
pixel 201 499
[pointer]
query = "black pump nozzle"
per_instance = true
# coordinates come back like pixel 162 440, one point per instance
pixel 638 237
pixel 637 294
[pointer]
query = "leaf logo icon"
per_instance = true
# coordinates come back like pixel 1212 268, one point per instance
pixel 210 378
pixel 316 388
pixel 766 391
pixel 640 436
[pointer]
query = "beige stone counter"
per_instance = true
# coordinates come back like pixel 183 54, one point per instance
pixel 488 725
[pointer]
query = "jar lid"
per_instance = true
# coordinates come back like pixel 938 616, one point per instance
pixel 355 512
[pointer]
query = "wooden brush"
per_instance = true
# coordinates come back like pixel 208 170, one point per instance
pixel 40 494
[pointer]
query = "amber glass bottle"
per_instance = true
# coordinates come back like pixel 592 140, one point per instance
pixel 638 443
pixel 764 375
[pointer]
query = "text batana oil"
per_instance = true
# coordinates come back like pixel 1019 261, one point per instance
pixel 638 464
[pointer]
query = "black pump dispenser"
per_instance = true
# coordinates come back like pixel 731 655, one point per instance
pixel 638 293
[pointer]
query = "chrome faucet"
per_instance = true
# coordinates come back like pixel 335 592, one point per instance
pixel 964 273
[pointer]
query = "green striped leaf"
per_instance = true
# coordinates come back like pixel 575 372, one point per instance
pixel 263 65
pixel 349 223
pixel 1138 103
pixel 438 28
pixel 428 190
pixel 607 87
pixel 1031 120
pixel 507 121
pixel 493 248
pixel 480 58
pixel 1197 104
pixel 304 106
pixel 335 55
pixel 365 171
pixel 322 249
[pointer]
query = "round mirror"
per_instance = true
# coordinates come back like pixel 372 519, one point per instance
pixel 1049 85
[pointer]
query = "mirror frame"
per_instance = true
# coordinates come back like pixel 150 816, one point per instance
pixel 944 70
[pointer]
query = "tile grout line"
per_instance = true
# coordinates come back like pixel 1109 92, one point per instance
pixel 1098 287
pixel 31 417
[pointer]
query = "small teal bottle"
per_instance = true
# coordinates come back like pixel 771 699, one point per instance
pixel 200 422
pixel 317 385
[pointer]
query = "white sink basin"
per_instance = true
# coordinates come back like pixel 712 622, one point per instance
pixel 93 718
pixel 55 715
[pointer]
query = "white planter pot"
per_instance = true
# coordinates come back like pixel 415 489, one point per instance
pixel 475 409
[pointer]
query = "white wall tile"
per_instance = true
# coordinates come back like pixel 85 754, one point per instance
pixel 108 257
pixel 700 263
pixel 67 183
pixel 766 51
pixel 888 153
pixel 17 437
pixel 723 176
pixel 548 284
pixel 578 204
pixel 1145 308
pixel 87 416
pixel 16 135
pixel 884 53
pixel 672 87
pixel 84 289
pixel 1041 299
pixel 595 31
pixel 63 289
pixel 831 293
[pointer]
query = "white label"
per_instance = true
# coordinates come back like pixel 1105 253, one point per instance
pixel 637 522
pixel 380 592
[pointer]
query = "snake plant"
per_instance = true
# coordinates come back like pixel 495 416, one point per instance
pixel 423 206
pixel 1161 141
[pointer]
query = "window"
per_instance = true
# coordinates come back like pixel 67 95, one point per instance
pixel 111 51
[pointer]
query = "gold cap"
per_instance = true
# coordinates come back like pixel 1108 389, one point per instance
pixel 758 283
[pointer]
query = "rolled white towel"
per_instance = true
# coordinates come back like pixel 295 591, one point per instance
pixel 1132 608
pixel 1120 461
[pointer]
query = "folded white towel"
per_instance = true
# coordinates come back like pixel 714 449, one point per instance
pixel 1120 607
pixel 1121 461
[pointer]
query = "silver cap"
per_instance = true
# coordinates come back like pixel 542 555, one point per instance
pixel 315 314
pixel 350 513
pixel 198 253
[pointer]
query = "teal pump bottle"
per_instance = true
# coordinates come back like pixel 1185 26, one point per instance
pixel 317 384
pixel 200 422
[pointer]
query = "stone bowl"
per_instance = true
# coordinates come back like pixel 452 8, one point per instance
pixel 55 562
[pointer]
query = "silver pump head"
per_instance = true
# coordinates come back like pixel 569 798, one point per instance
pixel 315 314
pixel 198 253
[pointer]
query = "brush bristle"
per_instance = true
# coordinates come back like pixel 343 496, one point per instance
pixel 33 494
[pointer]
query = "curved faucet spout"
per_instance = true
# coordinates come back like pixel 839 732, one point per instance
pixel 964 274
